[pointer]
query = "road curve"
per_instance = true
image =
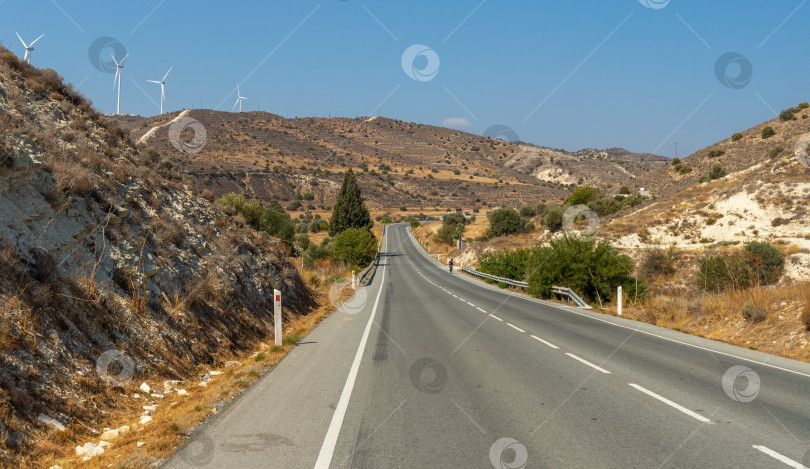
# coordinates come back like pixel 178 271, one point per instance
pixel 427 369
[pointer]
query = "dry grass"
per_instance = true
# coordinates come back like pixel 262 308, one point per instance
pixel 177 416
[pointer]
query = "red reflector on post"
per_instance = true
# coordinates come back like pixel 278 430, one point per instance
pixel 278 297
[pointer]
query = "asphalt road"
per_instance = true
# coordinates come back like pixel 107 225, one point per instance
pixel 427 369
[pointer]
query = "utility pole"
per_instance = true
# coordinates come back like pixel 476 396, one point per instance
pixel 676 149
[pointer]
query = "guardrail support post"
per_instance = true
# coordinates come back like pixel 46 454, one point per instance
pixel 277 315
pixel 619 300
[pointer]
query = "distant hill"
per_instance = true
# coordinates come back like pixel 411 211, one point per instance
pixel 402 164
pixel 763 195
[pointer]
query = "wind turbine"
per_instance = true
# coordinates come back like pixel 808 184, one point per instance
pixel 239 99
pixel 118 67
pixel 28 47
pixel 161 83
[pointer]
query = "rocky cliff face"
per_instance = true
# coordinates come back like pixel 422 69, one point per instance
pixel 103 250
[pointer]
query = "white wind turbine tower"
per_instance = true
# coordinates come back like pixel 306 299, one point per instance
pixel 118 67
pixel 162 83
pixel 28 47
pixel 239 99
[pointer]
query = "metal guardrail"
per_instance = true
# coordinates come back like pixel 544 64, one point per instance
pixel 368 269
pixel 512 283
pixel 572 297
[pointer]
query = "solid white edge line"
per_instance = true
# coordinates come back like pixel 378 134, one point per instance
pixel 545 342
pixel 582 360
pixel 332 434
pixel 780 457
pixel 495 317
pixel 514 327
pixel 671 404
pixel 551 305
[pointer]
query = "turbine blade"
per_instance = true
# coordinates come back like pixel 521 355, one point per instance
pixel 35 40
pixel 23 42
pixel 113 57
pixel 125 58
pixel 167 73
pixel 153 81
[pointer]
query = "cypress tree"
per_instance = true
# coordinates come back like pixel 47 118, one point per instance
pixel 350 209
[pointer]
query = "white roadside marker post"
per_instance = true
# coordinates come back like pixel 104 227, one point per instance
pixel 353 282
pixel 277 315
pixel 619 300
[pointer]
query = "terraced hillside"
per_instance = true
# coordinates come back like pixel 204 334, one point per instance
pixel 403 164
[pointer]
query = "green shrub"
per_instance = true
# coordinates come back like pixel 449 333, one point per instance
pixel 454 218
pixel 775 151
pixel 504 221
pixel 447 234
pixel 270 219
pixel 502 285
pixel 736 136
pixel 415 224
pixel 303 241
pixel 605 206
pixel 716 153
pixel 357 247
pixel 787 115
pixel 528 211
pixel 685 169
pixel 765 261
pixel 768 132
pixel 489 280
pixel 625 190
pixel 718 272
pixel 506 263
pixel 803 105
pixel 591 269
pixel 553 218
pixel 583 195
pixel 717 172
pixel 747 309
pixel 675 162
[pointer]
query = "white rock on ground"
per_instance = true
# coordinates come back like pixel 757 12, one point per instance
pixel 145 388
pixel 49 422
pixel 182 392
pixel 91 449
pixel 145 419
pixel 115 433
pixel 232 364
pixel 139 444
pixel 150 408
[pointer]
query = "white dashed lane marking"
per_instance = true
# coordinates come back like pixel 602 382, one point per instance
pixel 545 342
pixel 582 360
pixel 514 327
pixel 495 317
pixel 671 404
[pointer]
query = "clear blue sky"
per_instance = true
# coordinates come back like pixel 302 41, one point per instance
pixel 607 72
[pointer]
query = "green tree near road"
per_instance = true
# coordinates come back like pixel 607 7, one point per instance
pixel 356 247
pixel 350 209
